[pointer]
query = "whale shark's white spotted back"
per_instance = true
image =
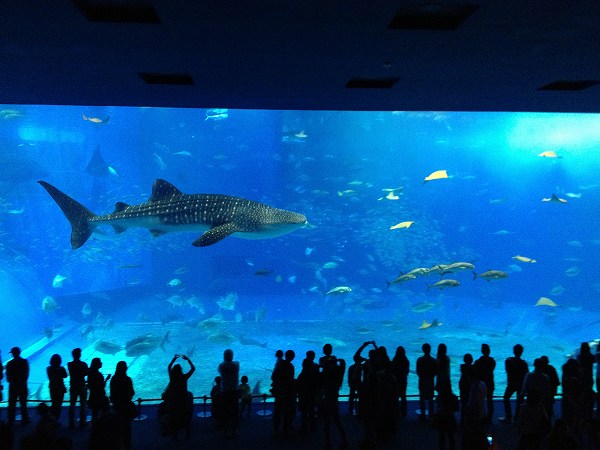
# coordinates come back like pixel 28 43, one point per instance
pixel 170 210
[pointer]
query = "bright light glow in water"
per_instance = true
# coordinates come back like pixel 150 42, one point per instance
pixel 564 133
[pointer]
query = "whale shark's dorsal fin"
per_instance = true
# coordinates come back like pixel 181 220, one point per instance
pixel 162 189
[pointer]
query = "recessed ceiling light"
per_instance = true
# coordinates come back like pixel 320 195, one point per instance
pixel 432 16
pixel 569 85
pixel 119 12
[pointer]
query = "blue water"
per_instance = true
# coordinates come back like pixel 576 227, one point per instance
pixel 333 167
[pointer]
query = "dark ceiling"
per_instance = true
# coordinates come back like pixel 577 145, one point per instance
pixel 501 55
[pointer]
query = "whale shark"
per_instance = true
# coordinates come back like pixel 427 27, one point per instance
pixel 170 210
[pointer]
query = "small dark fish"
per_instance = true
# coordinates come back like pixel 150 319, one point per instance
pixel 262 272
pixel 129 266
pixel 48 332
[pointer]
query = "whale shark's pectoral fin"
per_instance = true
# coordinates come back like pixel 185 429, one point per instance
pixel 215 234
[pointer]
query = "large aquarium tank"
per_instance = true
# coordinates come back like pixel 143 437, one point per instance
pixel 410 227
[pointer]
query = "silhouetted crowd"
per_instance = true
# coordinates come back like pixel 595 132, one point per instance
pixel 377 398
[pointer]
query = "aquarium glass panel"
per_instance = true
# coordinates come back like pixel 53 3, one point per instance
pixel 141 233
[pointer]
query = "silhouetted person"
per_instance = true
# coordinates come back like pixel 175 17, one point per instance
pixel 327 354
pixel 533 422
pixel 215 401
pixel 354 383
pixel 46 434
pixel 229 371
pixel 426 371
pixel 572 395
pixel 17 374
pixel 121 396
pixel 245 397
pixel 278 357
pixel 1 378
pixel 516 369
pixel 400 369
pixel 475 414
pixel 332 378
pixel 586 363
pixel 560 437
pixel 447 405
pixel 7 439
pixel 484 371
pixel 308 385
pixel 537 381
pixel 358 376
pixel 284 390
pixel 179 407
pixel 78 370
pixel 56 383
pixel 380 397
pixel 443 368
pixel 467 378
pixel 597 379
pixel 97 386
pixel 108 430
pixel 550 371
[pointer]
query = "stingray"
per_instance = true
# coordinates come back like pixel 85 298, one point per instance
pixel 98 167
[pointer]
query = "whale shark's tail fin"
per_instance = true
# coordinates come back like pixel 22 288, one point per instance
pixel 77 214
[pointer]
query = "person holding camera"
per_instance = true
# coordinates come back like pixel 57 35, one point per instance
pixel 179 402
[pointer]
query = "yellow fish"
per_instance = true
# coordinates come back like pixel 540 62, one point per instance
pixel 549 154
pixel 406 224
pixel 543 301
pixel 555 199
pixel 426 324
pixel 95 119
pixel 524 259
pixel 437 175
